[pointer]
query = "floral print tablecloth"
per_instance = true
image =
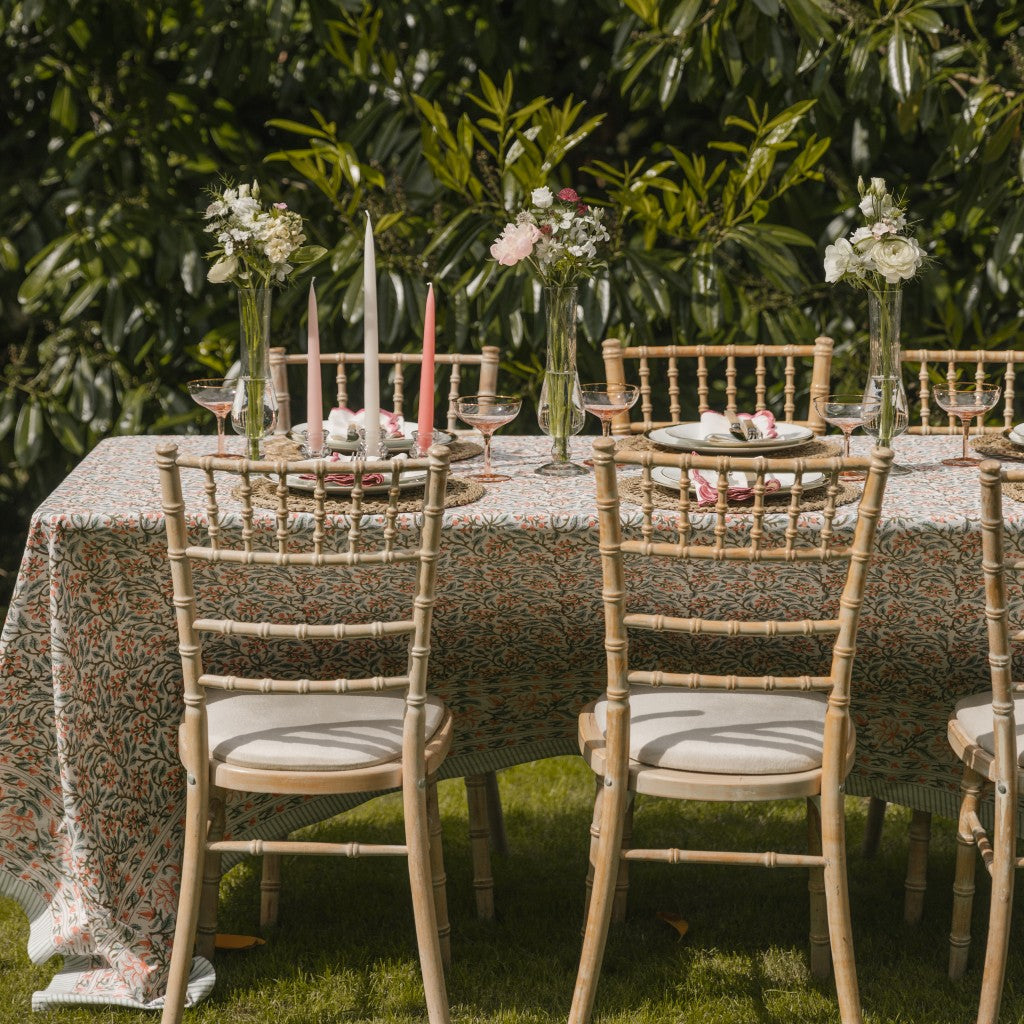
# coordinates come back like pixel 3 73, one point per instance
pixel 91 791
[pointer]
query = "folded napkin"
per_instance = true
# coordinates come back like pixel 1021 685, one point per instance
pixel 716 423
pixel 739 489
pixel 344 421
pixel 346 479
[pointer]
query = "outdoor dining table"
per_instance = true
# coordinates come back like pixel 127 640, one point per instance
pixel 91 789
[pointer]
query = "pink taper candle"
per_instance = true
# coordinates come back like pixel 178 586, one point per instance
pixel 314 395
pixel 371 355
pixel 425 425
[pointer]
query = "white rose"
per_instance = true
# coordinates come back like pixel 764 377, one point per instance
pixel 841 260
pixel 896 258
pixel 223 270
pixel 542 197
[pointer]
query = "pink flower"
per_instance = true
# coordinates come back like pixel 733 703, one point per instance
pixel 569 195
pixel 515 243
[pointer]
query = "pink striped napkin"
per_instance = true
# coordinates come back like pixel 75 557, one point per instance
pixel 346 479
pixel 707 492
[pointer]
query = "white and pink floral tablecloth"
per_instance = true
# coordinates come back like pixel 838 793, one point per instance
pixel 91 791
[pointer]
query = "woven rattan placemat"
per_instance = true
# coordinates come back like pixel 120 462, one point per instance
pixel 631 490
pixel 995 446
pixel 816 449
pixel 458 492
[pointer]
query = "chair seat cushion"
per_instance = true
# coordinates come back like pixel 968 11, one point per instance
pixel 735 733
pixel 310 732
pixel 974 716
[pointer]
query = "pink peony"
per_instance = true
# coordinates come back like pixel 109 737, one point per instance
pixel 515 243
pixel 569 195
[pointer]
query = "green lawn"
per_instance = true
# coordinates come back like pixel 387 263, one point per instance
pixel 344 949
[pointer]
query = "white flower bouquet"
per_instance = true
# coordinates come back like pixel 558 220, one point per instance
pixel 255 247
pixel 880 253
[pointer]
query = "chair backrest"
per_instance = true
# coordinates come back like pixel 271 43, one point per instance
pixel 997 566
pixel 939 366
pixel 344 540
pixel 785 535
pixel 486 360
pixel 717 362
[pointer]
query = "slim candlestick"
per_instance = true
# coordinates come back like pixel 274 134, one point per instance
pixel 371 359
pixel 425 423
pixel 314 396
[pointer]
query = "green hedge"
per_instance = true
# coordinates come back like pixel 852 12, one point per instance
pixel 726 140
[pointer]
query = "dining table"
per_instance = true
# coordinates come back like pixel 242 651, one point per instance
pixel 91 788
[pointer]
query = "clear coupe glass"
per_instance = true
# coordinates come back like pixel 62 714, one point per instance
pixel 847 412
pixel 965 401
pixel 216 394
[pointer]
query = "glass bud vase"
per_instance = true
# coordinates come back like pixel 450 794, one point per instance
pixel 254 354
pixel 560 410
pixel 885 374
pixel 254 393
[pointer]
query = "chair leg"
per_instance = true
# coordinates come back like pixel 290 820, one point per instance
pixel 837 899
pixel 480 844
pixel 919 838
pixel 873 827
pixel 270 890
pixel 437 874
pixel 963 883
pixel 196 812
pixel 417 840
pixel 821 957
pixel 606 868
pixel 622 879
pixel 206 932
pixel 495 817
pixel 1004 865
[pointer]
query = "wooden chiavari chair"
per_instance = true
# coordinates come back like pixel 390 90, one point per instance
pixel 696 736
pixel 932 367
pixel 346 734
pixel 986 734
pixel 662 369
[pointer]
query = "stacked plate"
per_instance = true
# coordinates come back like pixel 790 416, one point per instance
pixel 691 437
pixel 1016 435
pixel 338 444
pixel 406 481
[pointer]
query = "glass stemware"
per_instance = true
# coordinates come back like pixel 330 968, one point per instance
pixel 965 401
pixel 847 412
pixel 606 401
pixel 254 393
pixel 487 413
pixel 216 394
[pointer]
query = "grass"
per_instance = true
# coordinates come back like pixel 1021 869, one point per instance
pixel 344 948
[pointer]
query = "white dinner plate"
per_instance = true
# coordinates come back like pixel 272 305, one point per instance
pixel 690 437
pixel 337 444
pixel 1016 435
pixel 669 477
pixel 405 482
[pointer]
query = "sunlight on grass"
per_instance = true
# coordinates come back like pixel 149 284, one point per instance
pixel 344 950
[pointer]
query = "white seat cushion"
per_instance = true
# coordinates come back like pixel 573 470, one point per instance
pixel 974 714
pixel 735 733
pixel 310 732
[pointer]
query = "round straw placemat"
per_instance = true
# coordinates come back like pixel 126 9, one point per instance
pixel 995 446
pixel 631 490
pixel 816 449
pixel 457 492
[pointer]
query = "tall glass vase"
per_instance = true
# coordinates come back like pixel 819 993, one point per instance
pixel 254 353
pixel 560 411
pixel 885 374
